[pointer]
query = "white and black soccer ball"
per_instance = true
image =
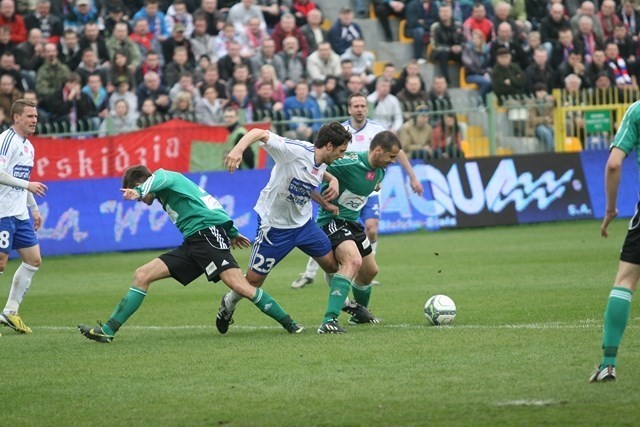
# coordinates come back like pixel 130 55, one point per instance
pixel 440 310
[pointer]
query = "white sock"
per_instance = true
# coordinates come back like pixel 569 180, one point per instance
pixel 231 299
pixel 312 269
pixel 374 247
pixel 19 287
pixel 328 277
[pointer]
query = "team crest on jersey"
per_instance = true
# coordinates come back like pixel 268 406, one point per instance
pixel 370 176
pixel 360 137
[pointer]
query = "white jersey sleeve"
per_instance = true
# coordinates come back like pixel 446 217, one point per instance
pixel 16 159
pixel 284 149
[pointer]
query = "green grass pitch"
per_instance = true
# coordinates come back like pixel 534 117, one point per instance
pixel 530 302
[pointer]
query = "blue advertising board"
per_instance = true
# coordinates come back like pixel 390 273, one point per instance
pixel 84 216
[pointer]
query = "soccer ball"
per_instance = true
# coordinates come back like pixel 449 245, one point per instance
pixel 440 310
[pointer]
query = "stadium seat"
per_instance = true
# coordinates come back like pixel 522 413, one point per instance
pixel 463 81
pixel 378 68
pixel 401 37
pixel 372 11
pixel 572 144
pixel 326 24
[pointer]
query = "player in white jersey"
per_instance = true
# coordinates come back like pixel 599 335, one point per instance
pixel 362 132
pixel 285 217
pixel 16 200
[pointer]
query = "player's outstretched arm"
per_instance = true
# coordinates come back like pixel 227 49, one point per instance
pixel 234 158
pixel 612 174
pixel 416 185
pixel 33 187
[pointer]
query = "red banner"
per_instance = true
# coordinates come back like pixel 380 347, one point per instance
pixel 167 146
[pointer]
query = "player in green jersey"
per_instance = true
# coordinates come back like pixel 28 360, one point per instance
pixel 359 174
pixel 626 281
pixel 208 233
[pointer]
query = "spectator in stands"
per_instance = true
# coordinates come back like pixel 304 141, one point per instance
pixel 69 49
pixel 9 93
pixel 68 105
pixel 91 39
pixel 31 52
pixel 242 12
pixel 242 74
pixel 503 14
pixel 240 99
pixel 507 79
pixel 551 26
pixel 389 73
pixel 294 65
pixel 155 18
pixel 236 132
pixel 324 101
pixel 209 107
pixel 271 10
pixel 145 40
pixel 80 15
pixel 228 63
pixel 479 21
pixel 608 18
pixel 266 107
pixel 42 18
pixel 574 120
pixel 115 12
pixel 99 99
pixel 540 119
pixel 120 42
pixel 268 75
pixel 586 40
pixel 504 40
pixel 15 22
pixel 626 46
pixel 386 107
pixel 267 55
pixel 225 39
pixel 344 31
pixel 6 45
pixel 151 88
pixel 439 98
pixel 630 17
pixel 410 69
pixel 212 78
pixel 361 59
pixel 177 39
pixel 337 93
pixel 52 74
pixel 151 63
pixel 323 62
pixel 303 113
pixel 215 19
pixel 182 107
pixel 573 65
pixel 356 84
pixel 179 65
pixel 447 136
pixel 287 28
pixel 539 72
pixel 30 95
pixel 466 8
pixel 416 135
pixel 8 66
pixel 475 59
pixel 536 11
pixel 588 9
pixel 178 14
pixel 563 48
pixel 123 93
pixel 202 43
pixel 534 41
pixel 118 121
pixel 621 76
pixel 446 41
pixel 253 37
pixel 346 71
pixel 185 84
pixel 412 96
pixel 384 9
pixel 418 26
pixel 88 66
pixel 313 31
pixel 300 9
pixel 597 66
pixel 149 116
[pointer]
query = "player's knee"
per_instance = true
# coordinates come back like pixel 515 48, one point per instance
pixel 141 278
pixel 35 262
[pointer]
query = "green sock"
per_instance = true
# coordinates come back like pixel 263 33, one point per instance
pixel 270 307
pixel 361 293
pixel 129 304
pixel 615 321
pixel 337 295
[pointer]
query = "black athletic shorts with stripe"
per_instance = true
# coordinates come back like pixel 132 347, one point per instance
pixel 340 231
pixel 208 251
pixel 631 247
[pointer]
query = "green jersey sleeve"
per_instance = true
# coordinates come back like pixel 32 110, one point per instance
pixel 627 136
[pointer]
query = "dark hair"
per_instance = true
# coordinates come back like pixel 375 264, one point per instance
pixel 135 175
pixel 355 95
pixel 19 106
pixel 385 139
pixel 539 86
pixel 334 133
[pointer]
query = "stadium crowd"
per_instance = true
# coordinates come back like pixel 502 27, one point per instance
pixel 142 62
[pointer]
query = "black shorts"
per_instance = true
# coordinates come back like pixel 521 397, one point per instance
pixel 207 251
pixel 340 231
pixel 631 247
